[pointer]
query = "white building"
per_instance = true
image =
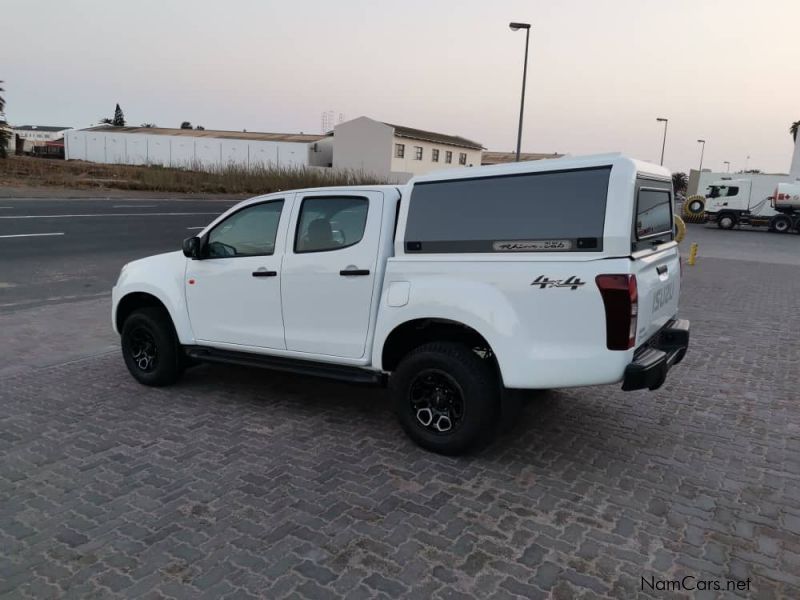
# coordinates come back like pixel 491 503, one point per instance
pixel 39 134
pixel 196 148
pixel 396 152
pixel 35 135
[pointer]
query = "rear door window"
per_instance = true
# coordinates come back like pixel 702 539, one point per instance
pixel 528 212
pixel 330 223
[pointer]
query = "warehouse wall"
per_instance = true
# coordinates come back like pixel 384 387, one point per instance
pixel 181 151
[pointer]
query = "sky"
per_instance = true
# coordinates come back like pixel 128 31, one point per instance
pixel 600 71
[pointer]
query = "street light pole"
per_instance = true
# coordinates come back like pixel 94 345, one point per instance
pixel 702 152
pixel 527 28
pixel 664 143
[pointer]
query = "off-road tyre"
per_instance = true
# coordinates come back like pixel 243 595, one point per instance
pixel 455 384
pixel 150 347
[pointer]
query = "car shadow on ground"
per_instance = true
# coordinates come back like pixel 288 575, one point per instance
pixel 533 423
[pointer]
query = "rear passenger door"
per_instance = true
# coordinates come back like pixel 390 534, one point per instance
pixel 328 274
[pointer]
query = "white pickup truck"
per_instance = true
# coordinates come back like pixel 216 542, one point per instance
pixel 533 275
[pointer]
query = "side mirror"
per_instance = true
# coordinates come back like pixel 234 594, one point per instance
pixel 191 247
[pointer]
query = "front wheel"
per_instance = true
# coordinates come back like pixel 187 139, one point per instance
pixel 446 397
pixel 726 221
pixel 150 347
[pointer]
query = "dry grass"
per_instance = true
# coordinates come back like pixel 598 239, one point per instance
pixel 20 171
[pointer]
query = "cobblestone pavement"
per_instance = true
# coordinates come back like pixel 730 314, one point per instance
pixel 238 484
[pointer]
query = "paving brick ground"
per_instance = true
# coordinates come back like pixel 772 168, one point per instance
pixel 240 484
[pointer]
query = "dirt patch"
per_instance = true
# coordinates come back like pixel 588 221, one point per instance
pixel 26 171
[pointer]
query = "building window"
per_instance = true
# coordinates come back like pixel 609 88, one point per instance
pixel 448 157
pixel 399 150
pixel 435 155
pixel 462 158
pixel 417 152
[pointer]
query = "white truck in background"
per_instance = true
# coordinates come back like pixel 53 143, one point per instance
pixel 533 275
pixel 729 203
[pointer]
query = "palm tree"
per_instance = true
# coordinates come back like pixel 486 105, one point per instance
pixel 793 129
pixel 680 181
pixel 4 133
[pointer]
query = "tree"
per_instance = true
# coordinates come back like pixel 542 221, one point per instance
pixel 119 118
pixel 148 125
pixel 107 121
pixel 680 181
pixel 5 134
pixel 200 127
pixel 186 125
pixel 793 129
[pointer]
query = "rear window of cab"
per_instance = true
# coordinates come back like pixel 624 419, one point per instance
pixel 528 212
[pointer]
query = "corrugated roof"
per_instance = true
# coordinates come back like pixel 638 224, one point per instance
pixel 40 128
pixel 432 136
pixel 215 133
pixel 495 158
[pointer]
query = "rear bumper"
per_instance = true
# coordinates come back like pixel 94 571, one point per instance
pixel 654 359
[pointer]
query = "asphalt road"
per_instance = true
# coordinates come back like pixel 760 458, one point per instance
pixel 58 250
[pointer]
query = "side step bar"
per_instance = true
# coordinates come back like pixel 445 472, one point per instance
pixel 290 365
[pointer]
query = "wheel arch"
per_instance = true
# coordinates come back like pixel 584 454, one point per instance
pixel 134 301
pixel 414 333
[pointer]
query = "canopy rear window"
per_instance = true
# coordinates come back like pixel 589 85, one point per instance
pixel 529 212
pixel 653 222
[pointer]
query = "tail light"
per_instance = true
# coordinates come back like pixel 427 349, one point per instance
pixel 621 300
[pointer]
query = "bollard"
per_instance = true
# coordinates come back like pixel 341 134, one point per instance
pixel 692 254
pixel 680 229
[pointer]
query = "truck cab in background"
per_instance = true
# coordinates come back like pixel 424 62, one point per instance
pixel 730 203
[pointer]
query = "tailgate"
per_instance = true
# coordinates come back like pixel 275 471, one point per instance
pixel 658 278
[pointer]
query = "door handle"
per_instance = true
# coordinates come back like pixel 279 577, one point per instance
pixel 353 272
pixel 265 273
pixel 661 270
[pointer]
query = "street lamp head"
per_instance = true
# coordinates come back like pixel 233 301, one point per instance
pixel 661 119
pixel 518 26
pixel 701 141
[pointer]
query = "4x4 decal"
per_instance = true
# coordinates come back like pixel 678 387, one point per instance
pixel 572 282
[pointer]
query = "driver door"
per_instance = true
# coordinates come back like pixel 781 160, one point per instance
pixel 233 292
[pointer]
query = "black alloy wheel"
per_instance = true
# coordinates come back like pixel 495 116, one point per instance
pixel 437 401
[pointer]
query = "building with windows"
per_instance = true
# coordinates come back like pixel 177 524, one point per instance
pixel 397 152
pixel 28 137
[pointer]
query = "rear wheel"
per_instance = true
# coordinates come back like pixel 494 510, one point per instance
pixel 781 223
pixel 726 221
pixel 150 347
pixel 446 397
